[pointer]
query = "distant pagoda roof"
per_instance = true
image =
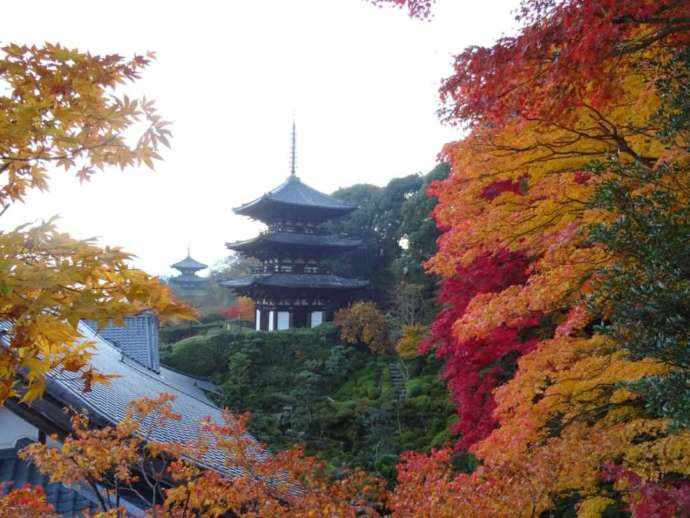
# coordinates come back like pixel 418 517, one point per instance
pixel 295 280
pixel 189 264
pixel 294 195
pixel 323 241
pixel 187 278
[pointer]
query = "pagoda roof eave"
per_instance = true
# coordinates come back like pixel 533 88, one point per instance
pixel 295 239
pixel 293 193
pixel 295 280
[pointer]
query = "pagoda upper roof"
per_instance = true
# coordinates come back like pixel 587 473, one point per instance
pixel 189 264
pixel 295 239
pixel 294 194
pixel 295 280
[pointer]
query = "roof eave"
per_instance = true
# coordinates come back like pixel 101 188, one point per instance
pixel 246 210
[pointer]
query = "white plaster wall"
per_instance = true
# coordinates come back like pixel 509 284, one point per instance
pixel 283 320
pixel 270 320
pixel 316 318
pixel 258 320
pixel 13 428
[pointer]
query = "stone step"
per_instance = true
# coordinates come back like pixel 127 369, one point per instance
pixel 397 380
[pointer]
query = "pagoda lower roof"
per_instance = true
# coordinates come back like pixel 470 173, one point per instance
pixel 295 280
pixel 187 279
pixel 295 239
pixel 294 194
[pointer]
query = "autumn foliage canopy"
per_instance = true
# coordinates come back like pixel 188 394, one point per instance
pixel 564 224
pixel 565 281
pixel 242 309
pixel 62 109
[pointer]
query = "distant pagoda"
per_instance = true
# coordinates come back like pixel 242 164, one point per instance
pixel 293 287
pixel 188 279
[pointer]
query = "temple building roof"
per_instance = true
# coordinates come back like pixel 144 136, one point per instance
pixel 255 244
pixel 294 195
pixel 295 280
pixel 106 404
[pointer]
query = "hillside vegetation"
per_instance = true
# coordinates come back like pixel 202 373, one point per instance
pixel 304 386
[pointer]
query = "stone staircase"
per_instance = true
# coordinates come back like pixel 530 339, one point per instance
pixel 397 380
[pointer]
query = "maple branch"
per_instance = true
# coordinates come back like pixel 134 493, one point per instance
pixel 635 46
pixel 92 484
pixel 50 158
pixel 651 20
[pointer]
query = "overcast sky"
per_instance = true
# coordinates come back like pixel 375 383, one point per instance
pixel 362 81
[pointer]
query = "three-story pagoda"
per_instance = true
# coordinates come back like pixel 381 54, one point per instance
pixel 293 287
pixel 188 280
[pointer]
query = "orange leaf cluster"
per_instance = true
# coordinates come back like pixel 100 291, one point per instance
pixel 111 459
pixel 364 323
pixel 61 108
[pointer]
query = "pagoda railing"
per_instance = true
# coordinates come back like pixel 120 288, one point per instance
pixel 296 229
pixel 291 268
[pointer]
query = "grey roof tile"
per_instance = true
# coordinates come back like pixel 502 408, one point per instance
pixel 137 338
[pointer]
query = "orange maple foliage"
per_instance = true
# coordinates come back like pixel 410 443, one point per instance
pixel 407 345
pixel 364 323
pixel 246 481
pixel 243 309
pixel 27 502
pixel 62 109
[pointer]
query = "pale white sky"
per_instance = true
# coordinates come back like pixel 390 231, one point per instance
pixel 363 82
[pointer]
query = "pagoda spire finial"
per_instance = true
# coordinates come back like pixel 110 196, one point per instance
pixel 189 249
pixel 293 153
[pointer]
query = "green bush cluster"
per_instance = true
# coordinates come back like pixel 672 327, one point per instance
pixel 304 386
pixel 172 334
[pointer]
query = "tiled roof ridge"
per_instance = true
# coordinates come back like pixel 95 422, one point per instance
pixel 193 376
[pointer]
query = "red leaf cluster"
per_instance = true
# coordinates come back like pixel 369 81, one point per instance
pixel 652 499
pixel 243 309
pixel 416 8
pixel 492 191
pixel 474 368
pixel 547 70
